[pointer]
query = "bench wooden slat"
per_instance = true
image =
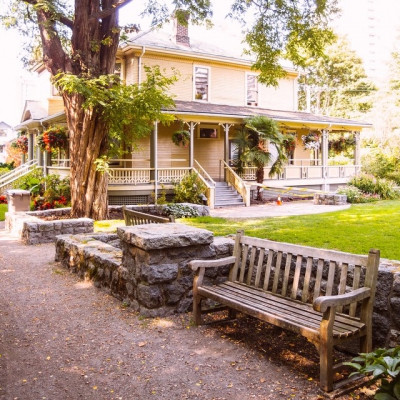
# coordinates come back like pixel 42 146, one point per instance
pixel 356 285
pixel 331 278
pixel 307 308
pixel 251 265
pixel 318 278
pixel 285 311
pixel 259 267
pixel 268 269
pixel 307 278
pixel 343 281
pixel 296 277
pixel 277 272
pixel 333 255
pixel 244 262
pixel 286 274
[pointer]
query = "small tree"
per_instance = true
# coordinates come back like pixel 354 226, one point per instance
pixel 253 143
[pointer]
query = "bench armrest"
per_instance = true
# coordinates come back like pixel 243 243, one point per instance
pixel 196 264
pixel 322 303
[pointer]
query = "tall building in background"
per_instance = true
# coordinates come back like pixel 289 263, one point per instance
pixel 373 29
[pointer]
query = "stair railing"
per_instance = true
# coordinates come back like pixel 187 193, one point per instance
pixel 208 181
pixel 233 179
pixel 6 180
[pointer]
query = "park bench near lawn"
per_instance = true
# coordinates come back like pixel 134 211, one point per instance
pixel 326 296
pixel 138 218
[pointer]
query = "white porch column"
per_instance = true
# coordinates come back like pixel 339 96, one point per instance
pixel 325 152
pixel 191 125
pixel 30 146
pixel 357 151
pixel 154 159
pixel 226 145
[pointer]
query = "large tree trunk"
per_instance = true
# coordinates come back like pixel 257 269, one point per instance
pixel 88 142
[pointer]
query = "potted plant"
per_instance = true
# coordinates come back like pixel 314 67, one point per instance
pixel 53 138
pixel 289 143
pixel 181 138
pixel 311 141
pixel 21 143
pixel 340 144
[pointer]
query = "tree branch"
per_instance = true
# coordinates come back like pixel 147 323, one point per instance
pixel 108 11
pixel 64 20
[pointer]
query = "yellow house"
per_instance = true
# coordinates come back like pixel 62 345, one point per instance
pixel 216 90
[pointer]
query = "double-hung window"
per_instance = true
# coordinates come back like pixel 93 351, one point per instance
pixel 251 90
pixel 201 83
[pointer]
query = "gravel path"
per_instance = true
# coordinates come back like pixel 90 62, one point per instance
pixel 61 338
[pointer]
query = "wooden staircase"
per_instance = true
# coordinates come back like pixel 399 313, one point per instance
pixel 227 196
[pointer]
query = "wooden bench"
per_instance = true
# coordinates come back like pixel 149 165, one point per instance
pixel 326 296
pixel 138 218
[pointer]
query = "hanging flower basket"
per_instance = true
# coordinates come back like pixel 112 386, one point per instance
pixel 21 144
pixel 181 138
pixel 341 144
pixel 53 138
pixel 289 143
pixel 311 141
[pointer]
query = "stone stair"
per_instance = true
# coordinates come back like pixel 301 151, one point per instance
pixel 227 196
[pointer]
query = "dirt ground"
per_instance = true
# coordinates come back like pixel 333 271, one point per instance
pixel 61 338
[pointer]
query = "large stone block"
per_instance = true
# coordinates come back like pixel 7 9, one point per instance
pixel 162 236
pixel 149 296
pixel 162 273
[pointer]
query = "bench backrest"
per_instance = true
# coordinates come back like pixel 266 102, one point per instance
pixel 301 272
pixel 138 218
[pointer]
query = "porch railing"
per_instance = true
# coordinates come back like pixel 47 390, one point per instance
pixel 209 182
pixel 7 179
pixel 129 176
pixel 233 179
pixel 172 175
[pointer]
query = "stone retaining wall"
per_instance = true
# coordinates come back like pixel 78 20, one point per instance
pixel 33 230
pixel 150 271
pixel 330 199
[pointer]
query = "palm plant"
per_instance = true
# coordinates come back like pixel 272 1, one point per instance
pixel 254 141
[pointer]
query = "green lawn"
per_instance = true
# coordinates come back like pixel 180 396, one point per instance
pixel 356 230
pixel 3 210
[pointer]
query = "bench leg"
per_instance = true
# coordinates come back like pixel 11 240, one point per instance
pixel 232 313
pixel 326 367
pixel 197 310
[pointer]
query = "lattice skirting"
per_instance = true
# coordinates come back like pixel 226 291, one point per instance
pixel 128 200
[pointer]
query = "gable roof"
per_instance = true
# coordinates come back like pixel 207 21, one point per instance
pixel 196 108
pixel 4 126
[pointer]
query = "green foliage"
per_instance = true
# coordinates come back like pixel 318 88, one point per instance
pixel 295 30
pixel 383 164
pixel 33 181
pixel 383 365
pixel 337 82
pixel 190 189
pixel 129 110
pixel 355 230
pixel 180 211
pixel 3 210
pixel 355 195
pixel 47 192
pixel 251 142
pixel 8 166
pixel 371 185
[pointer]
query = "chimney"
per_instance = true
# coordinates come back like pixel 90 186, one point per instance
pixel 182 30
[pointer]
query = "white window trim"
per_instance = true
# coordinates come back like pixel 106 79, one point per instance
pixel 209 82
pixel 245 89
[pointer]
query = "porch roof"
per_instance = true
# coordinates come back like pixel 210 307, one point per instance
pixel 290 119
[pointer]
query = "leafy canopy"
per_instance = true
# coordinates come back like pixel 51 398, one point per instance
pixel 296 30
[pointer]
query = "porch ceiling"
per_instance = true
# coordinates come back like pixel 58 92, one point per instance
pixel 196 110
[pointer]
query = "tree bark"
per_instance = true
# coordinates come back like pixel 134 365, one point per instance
pixel 88 142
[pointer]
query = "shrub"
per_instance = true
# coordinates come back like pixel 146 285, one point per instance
pixel 180 211
pixel 355 195
pixel 190 189
pixel 371 185
pixel 383 365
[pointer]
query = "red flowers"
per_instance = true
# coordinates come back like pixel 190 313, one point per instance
pixel 53 138
pixel 3 199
